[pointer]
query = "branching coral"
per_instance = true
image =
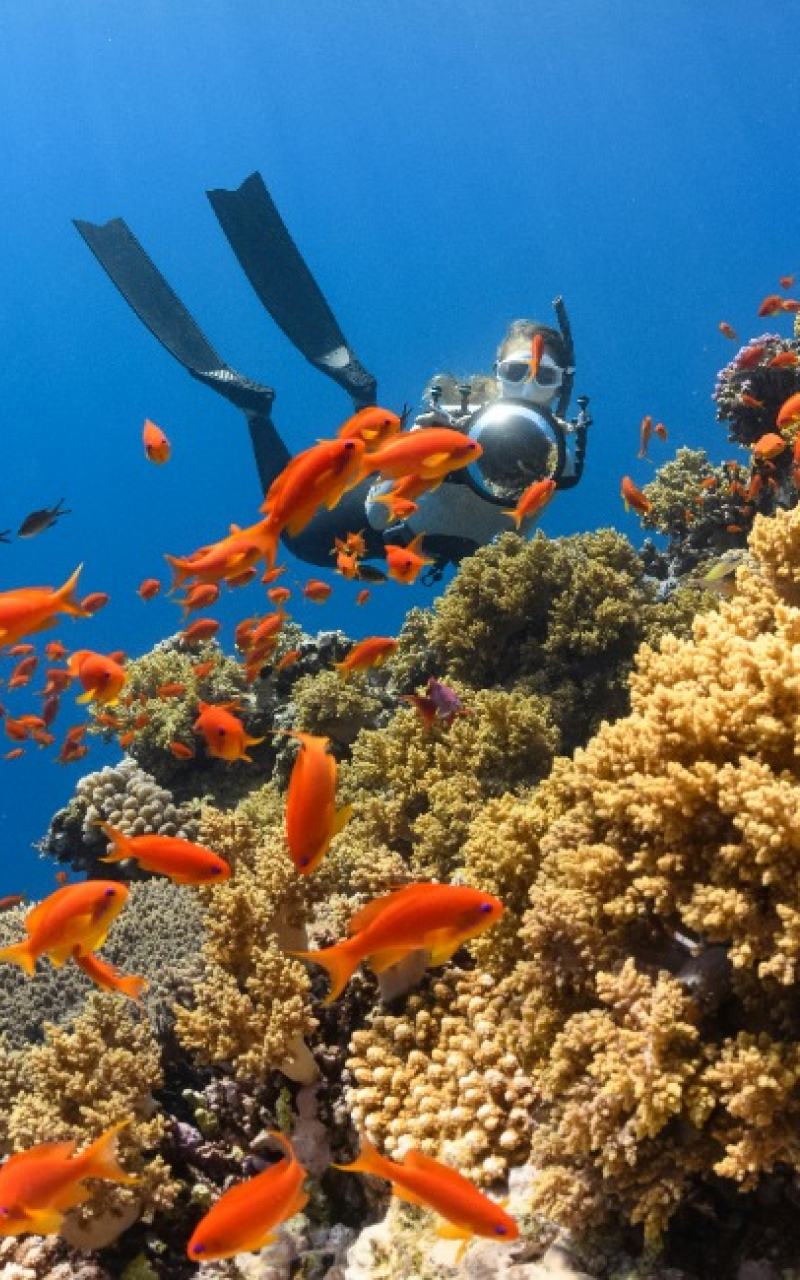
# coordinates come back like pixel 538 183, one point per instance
pixel 443 1077
pixel 252 1008
pixel 673 834
pixel 562 619
pixel 80 1082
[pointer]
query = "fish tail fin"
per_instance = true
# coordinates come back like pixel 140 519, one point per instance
pixel 515 516
pixel 120 841
pixel 180 571
pixel 68 598
pixel 369 1160
pixel 340 961
pixel 100 1159
pixel 21 953
pixel 133 986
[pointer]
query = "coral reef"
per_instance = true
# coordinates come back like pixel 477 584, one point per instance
pixel 661 948
pixel 127 797
pixel 559 618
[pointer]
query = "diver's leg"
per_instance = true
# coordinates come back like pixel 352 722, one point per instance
pixel 316 543
pixel 147 292
pixel 285 286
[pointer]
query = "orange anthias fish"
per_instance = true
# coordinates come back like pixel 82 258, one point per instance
pixel 771 305
pixel 95 601
pixel 29 609
pixel 633 497
pixel 243 1219
pixel 789 412
pixel 241 549
pixel 225 735
pixel 102 678
pixel 437 918
pixel 149 588
pixel 422 1180
pixel 156 445
pixel 39 1186
pixel 406 563
pixel 645 432
pixel 770 445
pixel 373 425
pixel 319 476
pixel 79 915
pixel 108 978
pixel 317 591
pixel 534 499
pixel 727 330
pixel 429 454
pixel 181 860
pixel 786 282
pixel 537 351
pixel 312 819
pixel 783 360
pixel 371 652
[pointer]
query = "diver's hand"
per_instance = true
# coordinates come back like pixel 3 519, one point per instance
pixel 433 418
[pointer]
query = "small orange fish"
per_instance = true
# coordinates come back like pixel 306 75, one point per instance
pixel 789 412
pixel 533 500
pixel 156 445
pixel 371 652
pixel 437 918
pixel 317 477
pixel 38 1187
pixel 224 733
pixel 728 331
pixel 26 610
pixel 20 650
pixel 199 630
pixel 645 432
pixel 57 680
pixel 279 595
pixel 791 305
pixel 149 588
pixel 373 425
pixel 95 601
pixel 54 650
pixel 363 596
pixel 200 596
pixel 786 282
pixel 172 690
pixel 287 660
pixel 23 672
pixel 100 675
pixel 72 751
pixel 105 976
pixel 633 497
pixel 317 591
pixel 125 739
pixel 62 877
pixel 750 357
pixel 181 751
pixel 181 860
pixel 660 431
pixel 537 351
pixel 14 753
pixel 79 915
pixel 202 669
pixel 312 819
pixel 783 360
pixel 11 900
pixel 769 446
pixel 243 1219
pixel 427 1182
pixel 429 454
pixel 751 401
pixel 404 564
pixel 771 305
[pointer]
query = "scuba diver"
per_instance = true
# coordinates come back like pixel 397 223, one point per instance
pixel 524 438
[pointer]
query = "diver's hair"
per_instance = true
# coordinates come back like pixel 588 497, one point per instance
pixel 522 331
pixel 483 387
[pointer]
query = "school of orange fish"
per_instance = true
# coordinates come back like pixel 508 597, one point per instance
pixel 40 1185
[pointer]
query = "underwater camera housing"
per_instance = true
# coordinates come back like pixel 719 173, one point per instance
pixel 521 443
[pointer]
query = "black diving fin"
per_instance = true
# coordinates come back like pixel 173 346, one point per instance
pixel 285 286
pixel 157 305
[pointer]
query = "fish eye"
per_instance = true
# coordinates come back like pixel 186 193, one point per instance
pixel 5 1212
pixel 198 1248
pixel 221 732
pixel 484 907
pixel 110 893
pixel 304 862
pixel 500 1230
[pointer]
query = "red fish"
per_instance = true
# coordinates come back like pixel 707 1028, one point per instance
pixel 200 596
pixel 371 652
pixel 101 677
pixel 633 497
pixel 148 588
pixel 660 430
pixel 11 900
pixel 771 305
pixel 429 454
pixel 751 401
pixel 533 500
pixel 786 282
pixel 38 1187
pixel 422 1180
pixel 199 630
pixel 181 860
pixel 79 915
pixel 728 331
pixel 317 591
pixel 224 559
pixel 769 446
pixel 645 432
pixel 363 596
pixel 750 357
pixel 243 1219
pixel 537 351
pixel 181 751
pixel 225 735
pixel 156 445
pixel 95 601
pixel 319 476
pixel 23 672
pixel 312 819
pixel 373 425
pixel 437 918
pixel 783 360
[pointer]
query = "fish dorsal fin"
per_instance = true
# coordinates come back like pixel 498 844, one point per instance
pixel 372 910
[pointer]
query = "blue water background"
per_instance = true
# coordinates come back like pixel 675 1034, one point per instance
pixel 444 167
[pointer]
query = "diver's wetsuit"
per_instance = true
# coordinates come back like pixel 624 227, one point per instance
pixel 286 287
